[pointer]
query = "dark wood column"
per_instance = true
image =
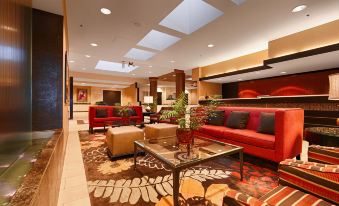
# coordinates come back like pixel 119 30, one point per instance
pixel 70 97
pixel 179 81
pixel 153 82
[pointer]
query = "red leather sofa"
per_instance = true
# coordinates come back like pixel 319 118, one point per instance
pixel 286 143
pixel 99 122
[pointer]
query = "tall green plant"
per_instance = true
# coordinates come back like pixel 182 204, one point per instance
pixel 190 119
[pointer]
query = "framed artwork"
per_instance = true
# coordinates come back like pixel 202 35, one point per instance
pixel 82 95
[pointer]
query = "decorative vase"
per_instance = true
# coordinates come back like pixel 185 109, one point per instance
pixel 148 109
pixel 185 137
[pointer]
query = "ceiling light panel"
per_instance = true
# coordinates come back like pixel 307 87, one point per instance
pixel 158 40
pixel 139 54
pixel 114 67
pixel 191 15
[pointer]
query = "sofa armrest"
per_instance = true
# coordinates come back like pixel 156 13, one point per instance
pixel 289 124
pixel 91 114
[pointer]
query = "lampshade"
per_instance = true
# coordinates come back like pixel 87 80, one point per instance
pixel 334 86
pixel 148 99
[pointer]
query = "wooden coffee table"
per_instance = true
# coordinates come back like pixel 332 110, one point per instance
pixel 175 157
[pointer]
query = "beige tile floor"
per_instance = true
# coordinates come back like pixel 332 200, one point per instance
pixel 73 188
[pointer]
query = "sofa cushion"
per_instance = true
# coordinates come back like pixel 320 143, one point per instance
pixel 238 119
pixel 250 137
pixel 216 118
pixel 267 123
pixel 101 113
pixel 215 131
pixel 132 112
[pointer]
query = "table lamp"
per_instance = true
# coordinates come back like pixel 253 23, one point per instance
pixel 148 100
pixel 334 89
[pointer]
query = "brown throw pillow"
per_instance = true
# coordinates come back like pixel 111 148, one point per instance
pixel 216 118
pixel 116 112
pixel 267 123
pixel 100 113
pixel 238 120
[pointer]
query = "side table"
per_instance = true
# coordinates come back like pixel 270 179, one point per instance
pixel 324 136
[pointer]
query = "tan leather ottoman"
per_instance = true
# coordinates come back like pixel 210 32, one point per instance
pixel 120 140
pixel 155 131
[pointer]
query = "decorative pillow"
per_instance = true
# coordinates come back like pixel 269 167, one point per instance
pixel 216 118
pixel 100 113
pixel 267 122
pixel 116 112
pixel 132 112
pixel 238 120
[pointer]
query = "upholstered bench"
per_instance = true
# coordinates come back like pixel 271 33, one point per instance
pixel 326 155
pixel 156 131
pixel 280 196
pixel 321 180
pixel 120 140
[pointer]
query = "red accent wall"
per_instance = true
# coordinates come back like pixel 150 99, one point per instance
pixel 299 84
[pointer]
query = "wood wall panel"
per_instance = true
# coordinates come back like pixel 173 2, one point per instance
pixel 15 66
pixel 47 70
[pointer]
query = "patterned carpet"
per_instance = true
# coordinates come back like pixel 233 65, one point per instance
pixel 116 183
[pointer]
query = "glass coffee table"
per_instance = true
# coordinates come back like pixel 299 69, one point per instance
pixel 177 159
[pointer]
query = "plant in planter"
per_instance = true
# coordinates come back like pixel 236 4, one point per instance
pixel 188 120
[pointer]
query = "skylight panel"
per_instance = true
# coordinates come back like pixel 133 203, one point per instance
pixel 158 40
pixel 191 15
pixel 139 54
pixel 114 66
pixel 238 2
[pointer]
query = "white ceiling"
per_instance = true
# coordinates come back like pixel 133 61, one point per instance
pixel 51 6
pixel 240 30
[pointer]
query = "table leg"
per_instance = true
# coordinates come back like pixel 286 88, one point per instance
pixel 135 156
pixel 241 158
pixel 176 184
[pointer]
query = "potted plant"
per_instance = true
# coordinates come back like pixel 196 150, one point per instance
pixel 188 120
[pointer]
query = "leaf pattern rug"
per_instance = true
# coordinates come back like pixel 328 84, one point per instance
pixel 116 183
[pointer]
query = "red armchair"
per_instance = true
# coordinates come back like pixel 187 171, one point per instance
pixel 285 143
pixel 111 112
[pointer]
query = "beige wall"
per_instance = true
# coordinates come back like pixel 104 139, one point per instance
pixel 316 37
pixel 208 89
pixel 129 95
pixel 243 62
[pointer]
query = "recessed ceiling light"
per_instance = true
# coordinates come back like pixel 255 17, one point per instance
pixel 210 45
pixel 172 61
pixel 150 66
pixel 105 11
pixel 133 74
pixel 283 72
pixel 71 61
pixel 299 8
pixel 88 56
pixel 83 83
pixel 83 68
pixel 239 79
pixel 94 44
pixel 174 75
